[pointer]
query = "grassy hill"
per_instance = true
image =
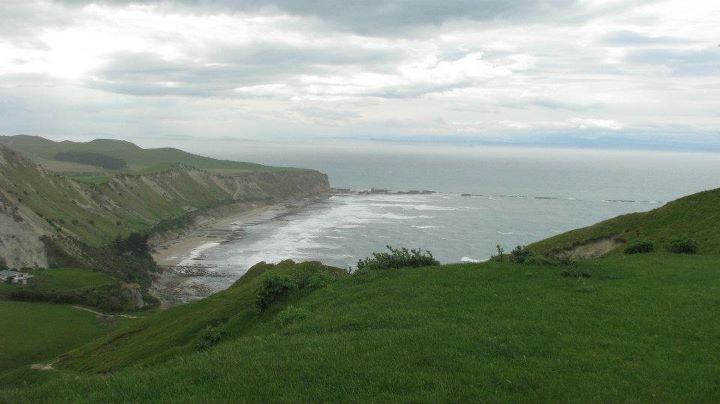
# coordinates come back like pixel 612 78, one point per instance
pixel 45 151
pixel 696 216
pixel 637 330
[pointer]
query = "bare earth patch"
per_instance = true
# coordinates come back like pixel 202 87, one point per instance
pixel 594 248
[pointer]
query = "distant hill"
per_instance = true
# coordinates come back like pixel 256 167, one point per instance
pixel 45 152
pixel 696 216
pixel 93 159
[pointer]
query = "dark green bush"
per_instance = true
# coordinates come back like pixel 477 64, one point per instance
pixel 520 255
pixel 273 288
pixel 684 245
pixel 312 276
pixel 398 258
pixel 640 246
pixel 3 264
pixel 135 243
pixel 210 337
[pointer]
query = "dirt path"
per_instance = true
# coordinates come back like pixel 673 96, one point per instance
pixel 99 314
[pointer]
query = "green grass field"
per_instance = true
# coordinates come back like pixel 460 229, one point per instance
pixel 39 332
pixel 638 329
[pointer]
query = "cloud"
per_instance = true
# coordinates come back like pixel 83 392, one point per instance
pixel 631 38
pixel 374 17
pixel 290 69
pixel 696 62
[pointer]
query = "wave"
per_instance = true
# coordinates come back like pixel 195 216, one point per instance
pixel 196 253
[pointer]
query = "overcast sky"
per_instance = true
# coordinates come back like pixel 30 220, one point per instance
pixel 597 72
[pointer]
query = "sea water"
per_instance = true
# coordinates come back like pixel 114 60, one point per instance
pixel 482 197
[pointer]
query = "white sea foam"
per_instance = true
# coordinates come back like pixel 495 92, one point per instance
pixel 195 253
pixel 471 260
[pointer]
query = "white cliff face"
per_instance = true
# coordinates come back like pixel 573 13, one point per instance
pixel 20 231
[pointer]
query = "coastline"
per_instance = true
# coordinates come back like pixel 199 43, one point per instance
pixel 175 252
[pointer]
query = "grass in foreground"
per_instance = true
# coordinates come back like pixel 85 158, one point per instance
pixel 640 329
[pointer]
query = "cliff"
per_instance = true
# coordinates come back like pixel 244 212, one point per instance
pixel 35 202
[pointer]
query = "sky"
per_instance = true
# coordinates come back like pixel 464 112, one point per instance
pixel 595 73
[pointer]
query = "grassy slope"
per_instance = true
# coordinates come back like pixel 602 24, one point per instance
pixel 638 330
pixel 175 331
pixel 41 150
pixel 696 216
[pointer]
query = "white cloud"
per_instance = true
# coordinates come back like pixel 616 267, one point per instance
pixel 253 70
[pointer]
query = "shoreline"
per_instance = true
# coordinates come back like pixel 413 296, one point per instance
pixel 211 232
pixel 177 253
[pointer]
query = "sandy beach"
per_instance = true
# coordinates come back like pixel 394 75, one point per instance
pixel 208 232
pixel 176 252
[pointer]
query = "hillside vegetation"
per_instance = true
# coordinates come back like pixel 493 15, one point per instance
pixel 696 216
pixel 637 330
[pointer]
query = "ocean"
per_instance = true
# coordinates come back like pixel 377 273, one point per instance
pixel 482 197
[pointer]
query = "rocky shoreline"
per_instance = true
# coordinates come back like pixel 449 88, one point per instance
pixel 178 254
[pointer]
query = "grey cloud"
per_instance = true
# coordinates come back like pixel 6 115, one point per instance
pixel 631 38
pixel 549 103
pixel 225 68
pixel 680 62
pixel 377 17
pixel 22 20
pixel 327 114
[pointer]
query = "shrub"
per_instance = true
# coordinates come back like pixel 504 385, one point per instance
pixel 397 258
pixel 209 337
pixel 291 314
pixel 3 264
pixel 640 247
pixel 520 255
pixel 273 288
pixel 135 243
pixel 684 245
pixel 312 276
